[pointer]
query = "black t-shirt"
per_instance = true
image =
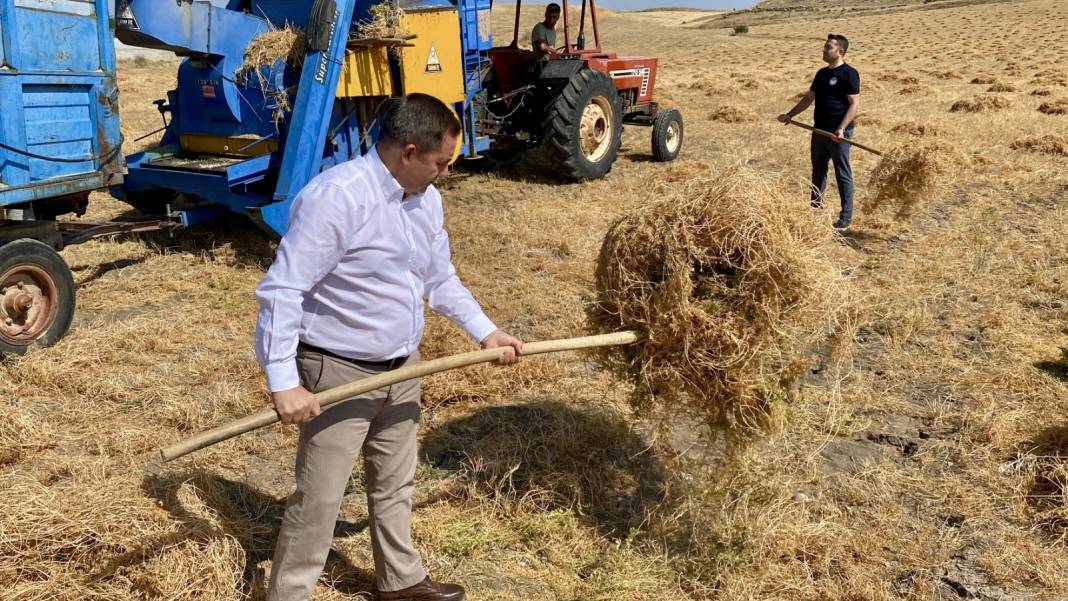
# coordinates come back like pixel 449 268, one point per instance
pixel 831 87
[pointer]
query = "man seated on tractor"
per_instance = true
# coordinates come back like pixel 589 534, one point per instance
pixel 543 38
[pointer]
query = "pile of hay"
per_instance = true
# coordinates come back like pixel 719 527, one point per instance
pixel 285 44
pixel 914 89
pixel 731 285
pixel 980 104
pixel 944 75
pixel 387 21
pixel 914 128
pixel 734 114
pixel 1002 87
pixel 1056 107
pixel 907 174
pixel 1042 92
pixel 984 79
pixel 1049 144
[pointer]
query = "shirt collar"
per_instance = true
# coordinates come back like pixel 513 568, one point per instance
pixel 390 186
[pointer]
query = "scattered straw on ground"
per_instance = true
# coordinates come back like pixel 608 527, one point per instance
pixel 1056 107
pixel 1049 144
pixel 907 174
pixel 734 114
pixel 981 104
pixel 728 281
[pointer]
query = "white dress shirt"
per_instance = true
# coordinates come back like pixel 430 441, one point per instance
pixel 353 269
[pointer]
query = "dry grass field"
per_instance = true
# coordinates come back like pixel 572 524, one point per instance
pixel 933 466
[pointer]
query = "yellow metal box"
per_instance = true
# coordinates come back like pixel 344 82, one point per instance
pixel 434 65
pixel 365 73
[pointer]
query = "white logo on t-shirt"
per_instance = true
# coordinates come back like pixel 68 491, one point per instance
pixel 834 80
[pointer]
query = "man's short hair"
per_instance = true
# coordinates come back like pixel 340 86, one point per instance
pixel 843 43
pixel 552 9
pixel 417 119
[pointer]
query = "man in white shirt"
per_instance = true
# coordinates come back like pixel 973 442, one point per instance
pixel 342 301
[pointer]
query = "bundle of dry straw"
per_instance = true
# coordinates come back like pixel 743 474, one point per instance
pixel 908 174
pixel 387 21
pixel 287 44
pixel 730 281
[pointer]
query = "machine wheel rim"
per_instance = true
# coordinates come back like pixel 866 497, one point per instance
pixel 595 129
pixel 673 138
pixel 28 304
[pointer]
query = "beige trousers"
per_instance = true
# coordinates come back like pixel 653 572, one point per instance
pixel 382 424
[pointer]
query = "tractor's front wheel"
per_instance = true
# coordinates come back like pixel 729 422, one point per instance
pixel 667 135
pixel 583 126
pixel 36 296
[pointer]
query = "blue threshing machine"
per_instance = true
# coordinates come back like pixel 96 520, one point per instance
pixel 246 141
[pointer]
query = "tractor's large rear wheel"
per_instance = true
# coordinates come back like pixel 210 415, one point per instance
pixel 583 126
pixel 36 296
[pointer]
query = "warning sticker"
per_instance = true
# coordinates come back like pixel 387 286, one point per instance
pixel 433 63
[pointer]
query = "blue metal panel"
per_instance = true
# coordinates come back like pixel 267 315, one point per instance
pixel 59 96
pixel 476 36
pixel 52 35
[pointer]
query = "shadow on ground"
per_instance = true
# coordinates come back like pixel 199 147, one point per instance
pixel 1048 494
pixel 556 456
pixel 236 510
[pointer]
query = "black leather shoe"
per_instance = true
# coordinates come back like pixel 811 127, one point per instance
pixel 427 590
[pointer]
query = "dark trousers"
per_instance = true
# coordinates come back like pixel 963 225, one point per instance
pixel 826 150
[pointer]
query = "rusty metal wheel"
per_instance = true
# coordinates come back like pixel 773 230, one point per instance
pixel 36 296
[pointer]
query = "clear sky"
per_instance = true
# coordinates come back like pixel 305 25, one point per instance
pixel 639 4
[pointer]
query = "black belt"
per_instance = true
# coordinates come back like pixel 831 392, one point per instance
pixel 387 364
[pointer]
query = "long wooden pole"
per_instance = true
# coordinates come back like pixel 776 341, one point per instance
pixel 347 391
pixel 828 134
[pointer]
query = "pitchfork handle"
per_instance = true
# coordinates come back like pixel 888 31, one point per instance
pixel 347 391
pixel 830 135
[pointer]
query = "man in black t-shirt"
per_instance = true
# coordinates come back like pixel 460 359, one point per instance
pixel 836 92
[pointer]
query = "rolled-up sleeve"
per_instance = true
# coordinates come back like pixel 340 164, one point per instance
pixel 323 220
pixel 446 294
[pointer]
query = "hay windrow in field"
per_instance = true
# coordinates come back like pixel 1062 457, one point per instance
pixel 906 175
pixel 1002 87
pixel 916 89
pixel 734 114
pixel 1048 144
pixel 981 104
pixel 729 280
pixel 1055 107
pixel 923 130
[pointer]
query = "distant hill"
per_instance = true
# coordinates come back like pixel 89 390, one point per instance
pixel 782 10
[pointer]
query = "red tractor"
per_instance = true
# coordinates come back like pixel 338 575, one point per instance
pixel 573 103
